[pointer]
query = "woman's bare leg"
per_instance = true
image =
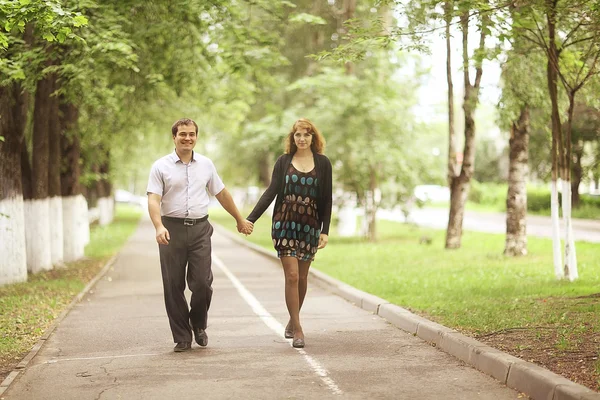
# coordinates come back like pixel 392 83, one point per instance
pixel 290 269
pixel 303 267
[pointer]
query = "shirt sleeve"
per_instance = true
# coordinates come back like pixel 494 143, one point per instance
pixel 155 182
pixel 215 185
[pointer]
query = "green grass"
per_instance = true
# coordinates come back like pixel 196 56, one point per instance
pixel 475 288
pixel 28 308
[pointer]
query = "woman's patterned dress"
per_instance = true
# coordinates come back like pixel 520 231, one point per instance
pixel 296 227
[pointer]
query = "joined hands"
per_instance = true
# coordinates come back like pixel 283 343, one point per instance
pixel 246 227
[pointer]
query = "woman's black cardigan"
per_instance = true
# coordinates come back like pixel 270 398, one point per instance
pixel 277 186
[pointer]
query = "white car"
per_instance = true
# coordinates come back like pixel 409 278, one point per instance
pixel 433 193
pixel 123 196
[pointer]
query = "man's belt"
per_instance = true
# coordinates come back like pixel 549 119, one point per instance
pixel 187 221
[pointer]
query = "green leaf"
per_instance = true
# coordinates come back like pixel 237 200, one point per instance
pixel 80 20
pixel 49 37
pixel 307 19
pixel 1 138
pixel 25 2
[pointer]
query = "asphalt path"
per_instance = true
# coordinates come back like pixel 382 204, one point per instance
pixel 116 343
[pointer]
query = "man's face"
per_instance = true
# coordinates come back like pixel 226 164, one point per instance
pixel 185 139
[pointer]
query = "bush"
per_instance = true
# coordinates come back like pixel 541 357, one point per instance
pixel 493 195
pixel 592 201
pixel 490 194
pixel 538 199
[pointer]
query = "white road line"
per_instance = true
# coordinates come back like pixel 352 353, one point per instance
pixel 99 358
pixel 272 323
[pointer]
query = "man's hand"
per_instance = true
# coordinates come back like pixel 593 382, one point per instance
pixel 323 239
pixel 162 235
pixel 246 227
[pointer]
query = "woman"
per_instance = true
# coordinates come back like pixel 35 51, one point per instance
pixel 301 181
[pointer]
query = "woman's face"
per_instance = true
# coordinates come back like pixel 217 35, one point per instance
pixel 303 138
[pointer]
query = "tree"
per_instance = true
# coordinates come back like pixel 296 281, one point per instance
pixel 570 39
pixel 18 65
pixel 422 17
pixel 367 120
pixel 521 92
pixel 586 129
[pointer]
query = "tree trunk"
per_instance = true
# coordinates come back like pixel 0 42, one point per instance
pixel 459 188
pixel 54 190
pixel 26 173
pixel 371 206
pixel 13 112
pixel 557 148
pixel 516 199
pixel 452 159
pixel 37 210
pixel 570 253
pixel 349 9
pixel 105 202
pixel 75 219
pixel 264 169
pixel 570 267
pixel 577 175
pixel 41 137
pixel 70 151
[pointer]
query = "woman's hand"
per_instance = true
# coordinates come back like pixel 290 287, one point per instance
pixel 323 239
pixel 245 227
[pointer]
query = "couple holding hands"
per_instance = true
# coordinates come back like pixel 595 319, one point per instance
pixel 178 198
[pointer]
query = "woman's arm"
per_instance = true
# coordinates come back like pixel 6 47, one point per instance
pixel 327 197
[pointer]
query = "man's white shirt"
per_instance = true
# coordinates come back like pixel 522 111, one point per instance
pixel 184 188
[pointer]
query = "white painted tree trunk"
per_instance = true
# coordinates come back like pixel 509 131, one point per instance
pixel 111 207
pixel 13 251
pixel 570 254
pixel 83 219
pixel 106 208
pixel 73 239
pixel 56 230
pixel 556 245
pixel 37 235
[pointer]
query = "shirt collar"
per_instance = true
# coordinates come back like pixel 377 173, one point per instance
pixel 174 157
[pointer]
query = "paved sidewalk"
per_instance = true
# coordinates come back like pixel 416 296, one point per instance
pixel 116 344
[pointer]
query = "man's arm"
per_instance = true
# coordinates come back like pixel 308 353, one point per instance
pixel 162 234
pixel 243 226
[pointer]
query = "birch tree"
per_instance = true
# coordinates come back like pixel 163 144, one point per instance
pixel 521 92
pixel 569 35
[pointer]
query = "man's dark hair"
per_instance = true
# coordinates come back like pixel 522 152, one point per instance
pixel 183 121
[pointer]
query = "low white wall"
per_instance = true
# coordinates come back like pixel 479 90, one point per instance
pixel 56 230
pixel 73 237
pixel 37 235
pixel 13 252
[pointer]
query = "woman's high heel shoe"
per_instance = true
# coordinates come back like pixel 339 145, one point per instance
pixel 298 343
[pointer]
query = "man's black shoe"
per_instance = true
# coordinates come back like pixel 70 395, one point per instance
pixel 201 337
pixel 182 346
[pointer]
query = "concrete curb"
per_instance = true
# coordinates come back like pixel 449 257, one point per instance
pixel 34 350
pixel 525 377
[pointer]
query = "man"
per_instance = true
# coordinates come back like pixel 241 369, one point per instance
pixel 178 197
